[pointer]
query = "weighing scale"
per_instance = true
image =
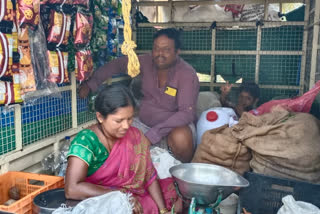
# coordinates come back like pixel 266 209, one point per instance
pixel 206 185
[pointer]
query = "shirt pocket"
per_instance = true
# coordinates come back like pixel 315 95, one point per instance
pixel 169 102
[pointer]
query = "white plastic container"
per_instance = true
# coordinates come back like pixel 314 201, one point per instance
pixel 214 118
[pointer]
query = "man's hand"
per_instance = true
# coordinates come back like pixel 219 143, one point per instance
pixel 225 89
pixel 84 90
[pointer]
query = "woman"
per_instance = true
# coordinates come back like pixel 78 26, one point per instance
pixel 111 155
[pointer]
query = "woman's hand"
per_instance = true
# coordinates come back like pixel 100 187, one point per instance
pixel 137 208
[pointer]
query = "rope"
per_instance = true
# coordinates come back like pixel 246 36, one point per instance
pixel 128 45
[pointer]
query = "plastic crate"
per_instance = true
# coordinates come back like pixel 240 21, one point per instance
pixel 30 185
pixel 264 194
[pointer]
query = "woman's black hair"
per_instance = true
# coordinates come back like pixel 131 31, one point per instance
pixel 171 33
pixel 112 97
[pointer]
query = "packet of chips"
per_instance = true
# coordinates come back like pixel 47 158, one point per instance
pixel 10 92
pixel 83 29
pixel 58 63
pixel 28 13
pixel 6 10
pixel 6 43
pixel 59 28
pixel 83 65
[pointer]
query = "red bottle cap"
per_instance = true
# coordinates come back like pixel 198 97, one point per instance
pixel 212 116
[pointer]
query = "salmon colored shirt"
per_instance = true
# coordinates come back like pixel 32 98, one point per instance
pixel 159 110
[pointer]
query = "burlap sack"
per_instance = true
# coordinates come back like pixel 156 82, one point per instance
pixel 283 144
pixel 218 146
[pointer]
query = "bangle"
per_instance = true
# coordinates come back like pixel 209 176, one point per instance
pixel 163 211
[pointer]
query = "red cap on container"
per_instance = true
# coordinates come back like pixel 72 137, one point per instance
pixel 212 116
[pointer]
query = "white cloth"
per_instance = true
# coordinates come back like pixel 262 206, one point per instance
pixel 109 203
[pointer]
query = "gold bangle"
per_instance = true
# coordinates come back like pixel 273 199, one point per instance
pixel 163 211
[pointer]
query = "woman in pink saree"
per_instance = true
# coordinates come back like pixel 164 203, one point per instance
pixel 113 156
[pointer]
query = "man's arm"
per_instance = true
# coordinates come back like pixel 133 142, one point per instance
pixel 187 102
pixel 102 74
pixel 106 71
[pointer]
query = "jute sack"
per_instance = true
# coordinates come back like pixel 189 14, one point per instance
pixel 218 146
pixel 283 144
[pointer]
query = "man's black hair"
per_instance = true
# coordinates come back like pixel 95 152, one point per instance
pixel 250 87
pixel 171 33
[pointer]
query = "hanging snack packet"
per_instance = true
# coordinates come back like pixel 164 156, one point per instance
pixel 59 28
pixel 28 13
pixel 84 3
pixel 5 54
pixel 83 29
pixel 27 77
pixel 26 72
pixel 10 92
pixel 58 63
pixel 6 10
pixel 83 65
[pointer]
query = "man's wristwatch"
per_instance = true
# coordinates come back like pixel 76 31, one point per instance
pixel 163 211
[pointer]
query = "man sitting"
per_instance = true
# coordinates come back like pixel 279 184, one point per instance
pixel 170 89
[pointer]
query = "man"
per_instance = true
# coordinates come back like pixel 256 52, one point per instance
pixel 248 98
pixel 170 89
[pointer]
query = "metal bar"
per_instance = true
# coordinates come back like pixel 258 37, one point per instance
pixel 265 18
pixel 304 48
pixel 233 52
pixel 74 100
pixel 289 87
pixel 235 25
pixel 212 2
pixel 213 57
pixel 257 68
pixel 18 127
pixel 314 44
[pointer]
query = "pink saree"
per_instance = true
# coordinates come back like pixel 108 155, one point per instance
pixel 129 168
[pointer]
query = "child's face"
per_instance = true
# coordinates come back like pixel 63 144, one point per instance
pixel 246 101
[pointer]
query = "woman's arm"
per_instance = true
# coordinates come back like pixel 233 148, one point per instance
pixel 156 194
pixel 75 185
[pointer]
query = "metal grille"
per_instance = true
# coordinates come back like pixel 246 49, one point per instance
pixel 145 36
pixel 83 112
pixel 285 38
pixel 196 40
pixel 48 116
pixel 7 131
pixel 243 39
pixel 280 70
pixel 234 67
pixel 273 94
pixel 201 63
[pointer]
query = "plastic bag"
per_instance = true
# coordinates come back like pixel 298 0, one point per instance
pixel 162 161
pixel 299 104
pixel 40 65
pixel 290 206
pixel 109 203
